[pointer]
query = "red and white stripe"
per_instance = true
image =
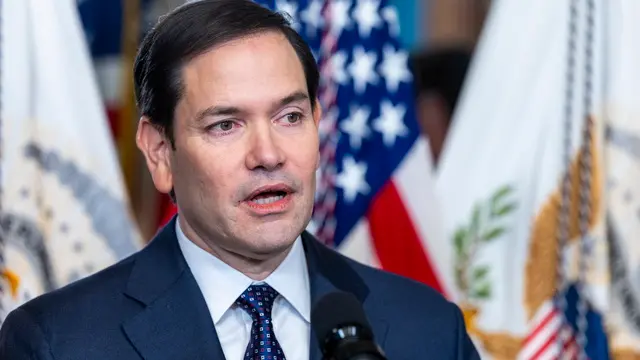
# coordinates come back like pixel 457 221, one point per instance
pixel 550 337
pixel 403 231
pixel 327 92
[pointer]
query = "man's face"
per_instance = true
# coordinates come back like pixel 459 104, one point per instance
pixel 246 146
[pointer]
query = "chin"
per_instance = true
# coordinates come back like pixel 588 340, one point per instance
pixel 272 239
pixel 266 246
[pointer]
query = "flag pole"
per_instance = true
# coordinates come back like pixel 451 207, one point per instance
pixel 126 138
pixel 8 279
pixel 3 290
pixel 585 206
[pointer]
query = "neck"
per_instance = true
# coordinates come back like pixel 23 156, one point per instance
pixel 252 266
pixel 256 267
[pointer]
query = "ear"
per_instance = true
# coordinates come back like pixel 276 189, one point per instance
pixel 317 112
pixel 317 115
pixel 157 151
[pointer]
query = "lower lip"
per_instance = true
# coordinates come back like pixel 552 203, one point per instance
pixel 270 208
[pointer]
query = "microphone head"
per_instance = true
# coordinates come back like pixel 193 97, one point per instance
pixel 342 329
pixel 336 310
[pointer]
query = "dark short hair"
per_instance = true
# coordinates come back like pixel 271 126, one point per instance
pixel 441 70
pixel 191 30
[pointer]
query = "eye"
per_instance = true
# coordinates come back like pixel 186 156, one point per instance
pixel 224 125
pixel 223 128
pixel 293 117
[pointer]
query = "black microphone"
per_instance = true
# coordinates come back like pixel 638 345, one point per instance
pixel 342 329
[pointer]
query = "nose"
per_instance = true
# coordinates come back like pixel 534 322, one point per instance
pixel 264 150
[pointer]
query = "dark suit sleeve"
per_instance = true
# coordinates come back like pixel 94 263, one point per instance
pixel 22 339
pixel 465 348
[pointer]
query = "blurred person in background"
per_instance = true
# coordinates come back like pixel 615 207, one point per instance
pixel 438 77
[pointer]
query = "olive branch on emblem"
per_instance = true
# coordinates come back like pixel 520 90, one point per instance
pixel 484 227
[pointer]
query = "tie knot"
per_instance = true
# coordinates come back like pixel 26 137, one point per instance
pixel 258 300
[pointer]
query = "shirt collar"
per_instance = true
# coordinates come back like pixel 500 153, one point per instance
pixel 221 284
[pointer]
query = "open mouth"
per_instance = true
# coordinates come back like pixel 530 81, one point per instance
pixel 268 197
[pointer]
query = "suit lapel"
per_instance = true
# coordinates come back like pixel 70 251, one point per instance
pixel 330 272
pixel 175 321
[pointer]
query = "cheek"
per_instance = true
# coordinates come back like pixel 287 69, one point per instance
pixel 220 175
pixel 305 154
pixel 202 169
pixel 221 182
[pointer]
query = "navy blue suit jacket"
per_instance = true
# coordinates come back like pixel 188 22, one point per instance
pixel 149 306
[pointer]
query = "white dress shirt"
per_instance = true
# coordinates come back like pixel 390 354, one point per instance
pixel 221 285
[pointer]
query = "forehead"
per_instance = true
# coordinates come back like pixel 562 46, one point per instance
pixel 252 70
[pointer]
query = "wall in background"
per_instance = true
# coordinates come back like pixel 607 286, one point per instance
pixel 410 14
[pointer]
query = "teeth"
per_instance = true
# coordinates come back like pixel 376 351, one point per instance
pixel 268 200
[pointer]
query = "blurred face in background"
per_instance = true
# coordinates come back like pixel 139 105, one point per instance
pixel 246 147
pixel 434 118
pixel 439 75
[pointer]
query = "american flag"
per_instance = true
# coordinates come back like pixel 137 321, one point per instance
pixel 550 336
pixel 554 331
pixel 374 198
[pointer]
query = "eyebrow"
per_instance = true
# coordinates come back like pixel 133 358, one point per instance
pixel 295 97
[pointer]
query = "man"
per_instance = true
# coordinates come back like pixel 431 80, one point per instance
pixel 228 97
pixel 439 76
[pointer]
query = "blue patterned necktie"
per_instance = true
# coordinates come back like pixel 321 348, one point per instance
pixel 258 301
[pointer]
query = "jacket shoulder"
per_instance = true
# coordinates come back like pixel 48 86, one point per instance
pixel 382 284
pixel 397 288
pixel 76 321
pixel 84 296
